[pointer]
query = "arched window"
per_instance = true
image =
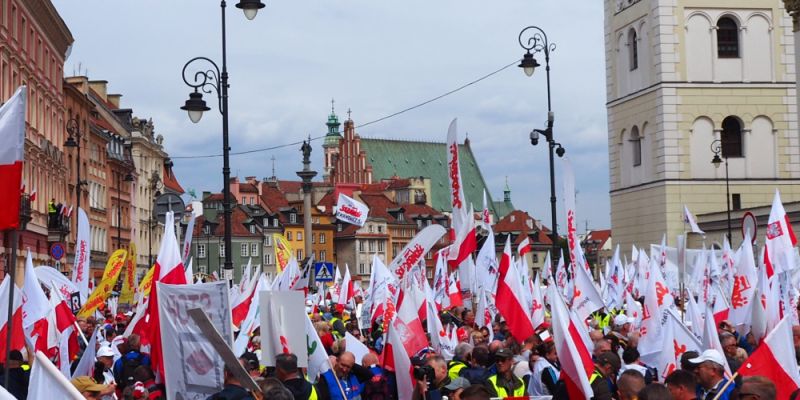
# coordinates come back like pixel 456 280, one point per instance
pixel 636 147
pixel 727 38
pixel 633 49
pixel 731 137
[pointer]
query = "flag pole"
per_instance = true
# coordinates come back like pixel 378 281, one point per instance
pixel 725 386
pixel 11 266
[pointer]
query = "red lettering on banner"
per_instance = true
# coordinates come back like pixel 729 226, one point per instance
pixel 536 305
pixel 352 211
pixel 455 186
pixel 200 362
pixel 81 262
pixel 740 284
pixel 661 291
pixel 411 257
pixel 679 349
pixel 284 345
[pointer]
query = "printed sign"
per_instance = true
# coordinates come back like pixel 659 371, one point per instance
pixel 351 211
pixel 323 272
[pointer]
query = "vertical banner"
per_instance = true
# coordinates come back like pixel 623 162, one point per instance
pixel 103 290
pixel 126 296
pixel 80 267
pixel 280 326
pixel 574 243
pixel 194 369
pixel 147 282
pixel 187 241
pixel 283 251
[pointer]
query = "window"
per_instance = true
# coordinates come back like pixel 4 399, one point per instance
pixel 253 228
pixel 321 238
pixel 535 258
pixel 289 236
pixel 429 256
pixel 371 228
pixel 363 269
pixel 299 236
pixel 244 248
pixel 338 227
pixel 266 222
pixel 201 251
pixel 736 201
pixel 254 249
pixel 636 147
pixel 727 38
pixel 361 246
pixel 322 255
pixel 419 223
pixel 267 258
pixel 429 273
pixel 380 228
pixel 633 49
pixel 381 246
pixel 222 250
pixel 313 238
pixel 267 240
pixel 299 255
pixel 731 137
pixel 313 254
pixel 275 222
pixel 372 246
pixel 292 218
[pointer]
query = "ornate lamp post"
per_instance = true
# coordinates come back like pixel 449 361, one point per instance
pixel 716 148
pixel 204 80
pixel 74 140
pixel 534 40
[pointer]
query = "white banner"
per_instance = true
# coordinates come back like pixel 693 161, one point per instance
pixel 193 369
pixel 351 211
pixel 280 326
pixel 50 277
pixel 187 242
pixel 80 269
pixel 416 249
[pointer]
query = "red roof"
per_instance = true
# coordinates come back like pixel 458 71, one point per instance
pixel 272 197
pixel 247 188
pixel 238 229
pixel 421 209
pixel 170 182
pixel 328 201
pixel 219 197
pixel 378 205
pixel 517 221
pixel 601 235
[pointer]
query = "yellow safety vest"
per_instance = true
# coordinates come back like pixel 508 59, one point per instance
pixel 501 391
pixel 313 395
pixel 333 329
pixel 594 377
pixel 51 208
pixel 454 369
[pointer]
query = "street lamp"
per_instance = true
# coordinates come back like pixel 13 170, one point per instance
pixel 203 81
pixel 74 140
pixel 716 148
pixel 128 178
pixel 534 40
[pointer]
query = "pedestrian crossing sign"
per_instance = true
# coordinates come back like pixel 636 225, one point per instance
pixel 323 272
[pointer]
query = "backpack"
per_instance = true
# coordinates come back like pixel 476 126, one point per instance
pixel 376 388
pixel 129 365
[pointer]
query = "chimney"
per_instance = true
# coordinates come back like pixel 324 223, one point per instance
pixel 114 99
pixel 101 88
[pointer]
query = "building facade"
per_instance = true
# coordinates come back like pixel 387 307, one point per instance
pixel 685 79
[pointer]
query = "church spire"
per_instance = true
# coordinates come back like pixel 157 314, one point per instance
pixel 507 193
pixel 333 135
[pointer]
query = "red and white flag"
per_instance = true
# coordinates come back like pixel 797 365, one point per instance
pixel 745 280
pixel 382 291
pixel 524 247
pixel 168 269
pixel 47 382
pixel 35 308
pixel 397 358
pixel 780 242
pixel 351 211
pixel 711 337
pixel 12 155
pixel 576 361
pixel 454 291
pixel 575 249
pixel 346 291
pixel 63 322
pixel 463 230
pixel 586 299
pixel 486 264
pixel 657 299
pixel 33 194
pixel 537 305
pixel 80 267
pixel 240 306
pixel 691 220
pixel 415 250
pixel 509 300
pixel 16 332
pixel 775 360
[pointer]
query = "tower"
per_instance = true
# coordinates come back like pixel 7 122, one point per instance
pixel 679 76
pixel 331 144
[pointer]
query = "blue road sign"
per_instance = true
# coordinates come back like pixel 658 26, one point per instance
pixel 323 272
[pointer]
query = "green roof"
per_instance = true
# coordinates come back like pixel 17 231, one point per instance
pixel 407 159
pixel 502 208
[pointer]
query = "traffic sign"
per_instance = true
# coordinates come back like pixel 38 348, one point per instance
pixel 323 272
pixel 57 251
pixel 749 223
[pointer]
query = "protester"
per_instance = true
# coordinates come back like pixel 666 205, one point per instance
pixel 758 388
pixel 711 376
pixel 476 392
pixel 731 349
pixel 345 380
pixel 90 389
pixel 631 361
pixel 433 388
pixel 478 371
pixel 504 383
pixel 233 389
pixel 18 374
pixel 655 391
pixel 102 368
pixel 461 359
pixel 144 375
pixel 127 364
pixel 682 385
pixel 603 379
pixel 287 372
pixel 544 373
pixel 629 384
pixel 379 386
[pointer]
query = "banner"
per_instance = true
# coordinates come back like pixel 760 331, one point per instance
pixel 80 267
pixel 147 282
pixel 280 326
pixel 126 296
pixel 56 280
pixel 103 290
pixel 283 251
pixel 187 240
pixel 415 250
pixel 194 369
pixel 351 211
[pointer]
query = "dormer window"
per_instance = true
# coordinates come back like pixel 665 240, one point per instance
pixel 206 230
pixel 252 228
pixel 293 218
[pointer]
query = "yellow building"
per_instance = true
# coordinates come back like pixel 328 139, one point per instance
pixel 686 78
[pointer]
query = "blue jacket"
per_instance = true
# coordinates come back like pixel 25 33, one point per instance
pixel 726 395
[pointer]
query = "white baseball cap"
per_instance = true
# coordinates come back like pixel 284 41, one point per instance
pixel 709 355
pixel 620 320
pixel 105 351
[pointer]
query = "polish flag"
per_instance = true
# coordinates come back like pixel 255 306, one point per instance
pixel 775 360
pixel 509 302
pixel 779 254
pixel 241 305
pixel 576 361
pixel 33 194
pixel 346 291
pixel 711 338
pixel 65 324
pixel 407 321
pixel 586 299
pixel 16 332
pixel 454 292
pixel 745 280
pixel 12 152
pixel 397 358
pixel 35 307
pixel 168 269
pixel 537 304
pixel 524 247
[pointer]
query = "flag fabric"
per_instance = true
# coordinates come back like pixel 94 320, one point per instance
pixel 128 292
pixel 454 292
pixel 382 290
pixel 168 269
pixel 252 320
pixel 346 291
pixel 711 337
pixel 689 218
pixel 187 240
pixel 745 279
pixel 351 211
pixel 46 382
pixel 86 364
pixel 775 360
pixel 486 264
pixel 318 362
pixel 283 251
pixel 575 249
pixel 657 300
pixel 243 302
pixel 508 300
pixel 576 361
pixel 63 321
pixel 440 282
pixel 12 155
pixel 33 194
pixel 677 340
pixel 397 358
pixel 110 276
pixel 779 254
pixel 586 299
pixel 615 282
pixel 35 305
pixel 280 325
pixel 537 304
pixel 80 267
pixel 414 252
pixel 15 330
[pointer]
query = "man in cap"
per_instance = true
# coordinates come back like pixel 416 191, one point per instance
pixel 603 379
pixel 711 376
pixel 102 368
pixel 622 328
pixel 504 383
pixel 90 389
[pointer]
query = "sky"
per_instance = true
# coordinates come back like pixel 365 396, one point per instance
pixel 374 58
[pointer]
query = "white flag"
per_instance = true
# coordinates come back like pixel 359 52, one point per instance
pixel 351 211
pixel 691 220
pixel 317 357
pixel 80 269
pixel 46 382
